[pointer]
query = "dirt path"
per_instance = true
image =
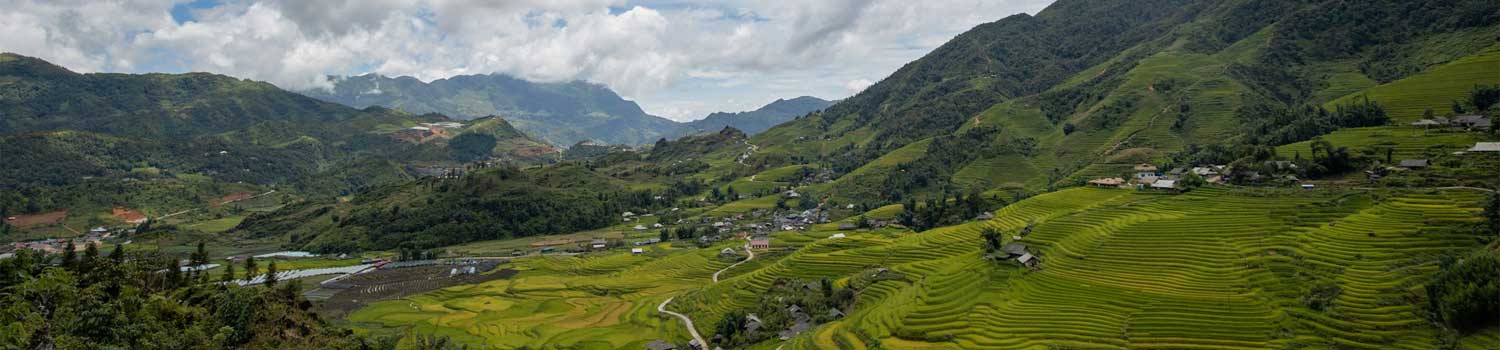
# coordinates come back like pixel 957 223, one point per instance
pixel 685 320
pixel 726 268
pixel 689 321
pixel 191 210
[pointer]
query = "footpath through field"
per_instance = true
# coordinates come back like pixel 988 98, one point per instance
pixel 726 268
pixel 685 320
pixel 689 321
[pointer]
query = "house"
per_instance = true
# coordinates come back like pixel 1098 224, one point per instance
pixel 660 345
pixel 848 226
pixel 792 194
pixel 1426 123
pixel 1414 163
pixel 1145 170
pixel 598 244
pixel 835 313
pixel 1471 121
pixel 752 323
pixel 1027 260
pixel 1485 147
pixel 637 251
pixel 656 225
pixel 1177 173
pixel 1164 185
pixel 836 236
pixel 1107 182
pixel 727 251
pixel 627 214
pixel 1308 186
pixel 985 216
pixel 640 227
pixel 1014 249
pixel 760 243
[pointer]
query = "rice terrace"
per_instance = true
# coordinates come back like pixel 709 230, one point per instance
pixel 750 175
pixel 1211 269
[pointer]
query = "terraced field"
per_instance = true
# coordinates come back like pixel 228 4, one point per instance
pixel 593 302
pixel 1217 268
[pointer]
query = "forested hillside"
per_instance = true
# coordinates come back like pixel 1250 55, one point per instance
pixel 1089 89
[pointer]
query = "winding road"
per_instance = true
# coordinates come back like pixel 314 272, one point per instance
pixel 689 321
pixel 685 320
pixel 726 268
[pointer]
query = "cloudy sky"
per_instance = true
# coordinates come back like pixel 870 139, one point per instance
pixel 680 59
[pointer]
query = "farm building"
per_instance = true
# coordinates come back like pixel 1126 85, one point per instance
pixel 760 243
pixel 1471 121
pixel 660 345
pixel 1414 163
pixel 1107 182
pixel 1014 249
pixel 1164 185
pixel 1027 259
pixel 598 244
pixel 637 251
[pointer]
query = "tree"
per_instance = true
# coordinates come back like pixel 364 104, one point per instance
pixel 1484 96
pixel 271 273
pixel 118 254
pixel 1192 181
pixel 251 270
pixel 469 147
pixel 1068 128
pixel 70 257
pixel 730 325
pixel 174 274
pixel 663 236
pixel 90 258
pixel 991 240
pixel 1427 114
pixel 228 275
pixel 1466 293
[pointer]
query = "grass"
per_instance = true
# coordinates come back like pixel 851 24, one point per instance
pixel 1407 142
pixel 1406 99
pixel 218 225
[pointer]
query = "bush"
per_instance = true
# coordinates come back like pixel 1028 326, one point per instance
pixel 1466 294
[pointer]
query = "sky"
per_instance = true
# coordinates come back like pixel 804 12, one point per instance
pixel 679 59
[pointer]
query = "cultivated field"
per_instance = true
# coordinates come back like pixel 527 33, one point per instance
pixel 1217 268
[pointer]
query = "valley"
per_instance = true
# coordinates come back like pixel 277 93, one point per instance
pixel 1163 174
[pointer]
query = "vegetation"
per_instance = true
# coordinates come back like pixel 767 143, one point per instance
pixel 141 301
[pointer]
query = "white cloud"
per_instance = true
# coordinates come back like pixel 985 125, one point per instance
pixel 682 58
pixel 857 85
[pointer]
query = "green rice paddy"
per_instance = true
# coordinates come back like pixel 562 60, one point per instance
pixel 1217 268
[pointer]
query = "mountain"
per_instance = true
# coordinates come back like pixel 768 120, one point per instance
pixel 88 141
pixel 1089 89
pixel 756 121
pixel 559 113
pixel 945 207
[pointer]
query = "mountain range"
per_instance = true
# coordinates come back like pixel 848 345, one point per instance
pixel 560 113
